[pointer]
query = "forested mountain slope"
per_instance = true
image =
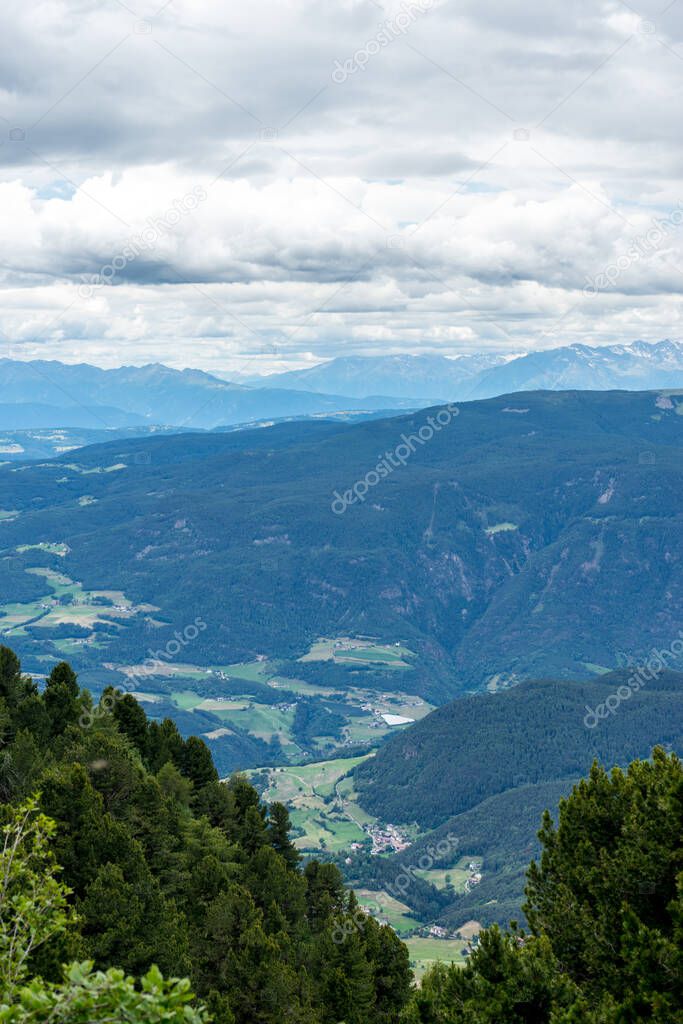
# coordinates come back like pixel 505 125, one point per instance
pixel 522 540
pixel 481 770
pixel 604 904
pixel 169 867
pixel 536 732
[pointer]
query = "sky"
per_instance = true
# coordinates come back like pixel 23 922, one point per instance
pixel 252 187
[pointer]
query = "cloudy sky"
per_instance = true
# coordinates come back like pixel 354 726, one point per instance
pixel 246 187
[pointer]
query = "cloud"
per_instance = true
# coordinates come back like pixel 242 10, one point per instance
pixel 454 193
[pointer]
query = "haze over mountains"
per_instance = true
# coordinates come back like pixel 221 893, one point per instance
pixel 43 394
pixel 50 393
pixel 410 376
pixel 634 367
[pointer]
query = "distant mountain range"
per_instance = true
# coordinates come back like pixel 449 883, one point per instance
pixel 429 377
pixel 41 393
pixel 634 367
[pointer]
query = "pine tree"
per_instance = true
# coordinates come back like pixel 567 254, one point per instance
pixel 279 827
pixel 61 698
pixel 131 720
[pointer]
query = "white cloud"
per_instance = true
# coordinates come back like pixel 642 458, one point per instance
pixel 456 194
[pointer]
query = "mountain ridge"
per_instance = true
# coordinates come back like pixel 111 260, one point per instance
pixel 636 366
pixel 510 546
pixel 158 394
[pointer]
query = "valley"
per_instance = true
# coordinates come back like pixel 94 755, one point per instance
pixel 286 719
pixel 327 820
pixel 341 512
pixel 397 677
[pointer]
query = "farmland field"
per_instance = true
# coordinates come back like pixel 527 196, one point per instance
pixel 64 603
pixel 363 709
pixel 425 952
pixel 53 549
pixel 387 909
pixel 331 825
pixel 455 876
pixel 295 720
pixel 346 650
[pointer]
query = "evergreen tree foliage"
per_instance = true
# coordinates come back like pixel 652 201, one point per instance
pixel 151 867
pixel 605 907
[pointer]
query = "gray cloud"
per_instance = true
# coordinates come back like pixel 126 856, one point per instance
pixel 453 193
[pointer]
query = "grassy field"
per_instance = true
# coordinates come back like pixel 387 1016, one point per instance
pixel 501 528
pixel 298 686
pixel 441 878
pixel 223 705
pixel 53 549
pixel 457 875
pixel 425 952
pixel 253 671
pixel 326 826
pixel 167 670
pixel 599 670
pixel 75 468
pixel 347 651
pixel 66 602
pixel 261 720
pixel 387 910
pixel 186 699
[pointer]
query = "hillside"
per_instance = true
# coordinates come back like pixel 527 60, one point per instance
pixel 522 541
pixel 603 903
pixel 152 863
pixel 481 745
pixel 500 832
pixel 481 771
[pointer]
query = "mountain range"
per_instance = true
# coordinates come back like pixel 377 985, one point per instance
pixel 523 539
pixel 429 377
pixel 41 394
pixel 516 557
pixel 634 367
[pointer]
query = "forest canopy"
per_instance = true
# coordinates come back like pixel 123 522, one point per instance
pixel 136 886
pixel 129 859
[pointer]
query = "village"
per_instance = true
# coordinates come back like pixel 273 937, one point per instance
pixel 385 839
